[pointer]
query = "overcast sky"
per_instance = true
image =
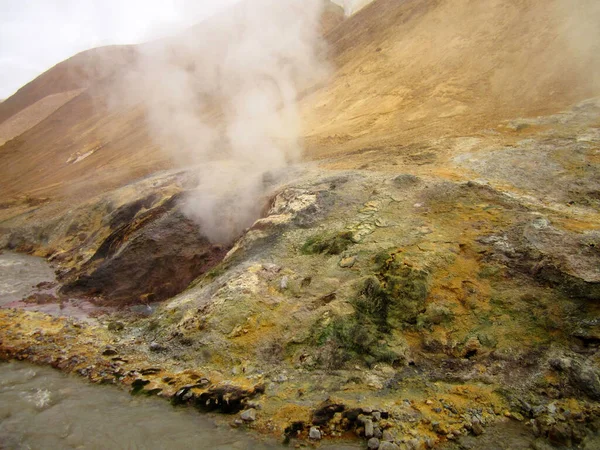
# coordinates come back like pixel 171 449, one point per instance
pixel 37 34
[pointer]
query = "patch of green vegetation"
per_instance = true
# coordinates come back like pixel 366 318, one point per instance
pixel 402 290
pixel 328 244
pixel 352 337
pixel 391 298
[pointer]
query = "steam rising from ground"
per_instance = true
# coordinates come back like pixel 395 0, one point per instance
pixel 222 98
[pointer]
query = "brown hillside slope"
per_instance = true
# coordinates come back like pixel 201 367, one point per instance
pixel 405 71
pixel 34 114
pixel 416 68
pixel 77 72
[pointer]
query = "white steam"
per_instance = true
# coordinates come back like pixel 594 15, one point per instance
pixel 221 98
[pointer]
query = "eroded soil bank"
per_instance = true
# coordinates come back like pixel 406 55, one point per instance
pixel 445 294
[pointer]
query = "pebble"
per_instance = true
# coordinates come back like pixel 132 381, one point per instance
pixel 283 284
pixel 376 416
pixel 156 347
pixel 347 263
pixel 314 433
pixel 369 428
pixel 248 415
pixel 387 436
pixel 477 428
pixel 388 446
pixel 373 444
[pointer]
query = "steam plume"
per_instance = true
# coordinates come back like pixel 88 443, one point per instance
pixel 221 97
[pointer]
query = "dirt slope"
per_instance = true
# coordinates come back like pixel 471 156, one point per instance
pixel 77 72
pixel 33 114
pixel 415 68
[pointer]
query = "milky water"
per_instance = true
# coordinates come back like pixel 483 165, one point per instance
pixel 41 408
pixel 19 274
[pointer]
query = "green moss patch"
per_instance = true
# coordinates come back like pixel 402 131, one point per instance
pixel 327 244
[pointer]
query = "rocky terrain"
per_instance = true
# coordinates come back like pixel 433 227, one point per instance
pixel 428 276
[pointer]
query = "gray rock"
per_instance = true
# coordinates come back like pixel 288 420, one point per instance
pixel 388 446
pixel 477 428
pixel 373 444
pixel 237 423
pixel 387 436
pixel 156 347
pixel 412 444
pixel 377 432
pixel 248 415
pixel 376 416
pixel 369 428
pixel 283 284
pixel 314 433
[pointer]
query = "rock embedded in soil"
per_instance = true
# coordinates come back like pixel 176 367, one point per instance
pixel 314 433
pixel 248 415
pixel 373 444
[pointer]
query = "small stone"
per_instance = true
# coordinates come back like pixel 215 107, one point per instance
pixel 377 432
pixel 388 446
pixel 376 416
pixel 367 410
pixel 314 433
pixel 412 444
pixel 369 428
pixel 387 436
pixel 347 263
pixel 373 444
pixel 156 347
pixel 283 284
pixel 477 428
pixel 439 428
pixel 248 415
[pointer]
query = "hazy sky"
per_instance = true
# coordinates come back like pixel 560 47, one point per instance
pixel 37 34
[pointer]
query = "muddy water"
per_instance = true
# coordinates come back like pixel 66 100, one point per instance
pixel 41 408
pixel 19 274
